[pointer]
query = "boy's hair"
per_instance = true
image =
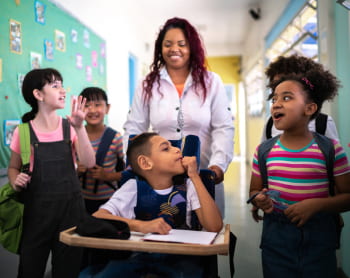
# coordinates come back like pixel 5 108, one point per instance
pixel 319 84
pixel 37 79
pixel 94 94
pixel 292 64
pixel 139 145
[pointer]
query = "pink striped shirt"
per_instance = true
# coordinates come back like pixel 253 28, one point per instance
pixel 300 174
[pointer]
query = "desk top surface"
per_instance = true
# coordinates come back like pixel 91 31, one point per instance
pixel 136 243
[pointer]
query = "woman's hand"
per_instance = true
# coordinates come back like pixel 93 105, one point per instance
pixel 219 174
pixel 77 116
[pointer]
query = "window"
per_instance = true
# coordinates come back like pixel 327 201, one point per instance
pixel 254 85
pixel 299 37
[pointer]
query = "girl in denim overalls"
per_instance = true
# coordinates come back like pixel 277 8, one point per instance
pixel 299 235
pixel 51 194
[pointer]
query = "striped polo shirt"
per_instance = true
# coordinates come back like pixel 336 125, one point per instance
pixel 300 174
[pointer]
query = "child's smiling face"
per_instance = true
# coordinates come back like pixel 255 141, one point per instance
pixel 96 111
pixel 290 106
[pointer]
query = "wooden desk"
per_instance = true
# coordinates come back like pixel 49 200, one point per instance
pixel 135 243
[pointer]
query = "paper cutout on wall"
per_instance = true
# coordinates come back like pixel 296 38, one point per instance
pixel 15 36
pixel 94 57
pixel 48 49
pixel 60 40
pixel 74 35
pixel 35 60
pixel 20 78
pixel 86 38
pixel 88 73
pixel 9 128
pixel 79 61
pixel 39 9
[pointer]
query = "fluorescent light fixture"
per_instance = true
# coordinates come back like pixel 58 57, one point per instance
pixel 344 3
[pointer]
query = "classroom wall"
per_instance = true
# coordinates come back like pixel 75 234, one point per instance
pixel 342 46
pixel 50 37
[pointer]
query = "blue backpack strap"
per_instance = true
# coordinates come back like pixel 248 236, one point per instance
pixel 106 141
pixel 321 123
pixel 102 150
pixel 263 151
pixel 327 148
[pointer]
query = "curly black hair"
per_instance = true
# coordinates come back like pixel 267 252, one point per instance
pixel 319 84
pixel 292 64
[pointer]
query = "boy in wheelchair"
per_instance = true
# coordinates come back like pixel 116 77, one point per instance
pixel 152 203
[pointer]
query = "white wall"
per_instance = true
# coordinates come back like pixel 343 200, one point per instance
pixel 113 26
pixel 253 47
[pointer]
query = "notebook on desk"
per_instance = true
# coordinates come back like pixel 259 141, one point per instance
pixel 183 236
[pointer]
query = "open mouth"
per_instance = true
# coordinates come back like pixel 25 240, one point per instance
pixel 277 115
pixel 62 98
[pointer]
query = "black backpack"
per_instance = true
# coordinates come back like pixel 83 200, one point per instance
pixel 320 124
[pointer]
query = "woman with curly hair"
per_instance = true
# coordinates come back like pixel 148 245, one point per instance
pixel 300 187
pixel 180 97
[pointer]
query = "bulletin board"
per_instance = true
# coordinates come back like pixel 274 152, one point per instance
pixel 40 34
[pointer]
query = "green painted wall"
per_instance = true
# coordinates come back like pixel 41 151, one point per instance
pixel 343 100
pixel 33 34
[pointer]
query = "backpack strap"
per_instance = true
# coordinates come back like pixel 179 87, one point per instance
pixel 321 123
pixel 327 147
pixel 24 136
pixel 268 130
pixel 325 144
pixel 263 151
pixel 106 141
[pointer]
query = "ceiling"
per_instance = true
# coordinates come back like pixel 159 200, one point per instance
pixel 222 24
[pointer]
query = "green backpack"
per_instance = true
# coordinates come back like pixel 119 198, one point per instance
pixel 11 208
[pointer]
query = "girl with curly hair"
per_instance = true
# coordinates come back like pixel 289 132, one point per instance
pixel 303 196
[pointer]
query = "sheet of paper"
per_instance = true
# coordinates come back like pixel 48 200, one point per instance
pixel 183 236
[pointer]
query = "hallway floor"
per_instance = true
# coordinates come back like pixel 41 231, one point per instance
pixel 237 214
